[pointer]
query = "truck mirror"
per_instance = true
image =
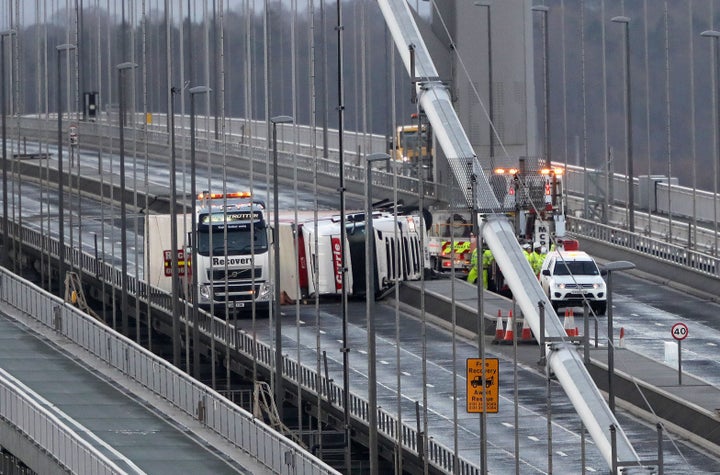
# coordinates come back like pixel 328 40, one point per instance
pixel 546 272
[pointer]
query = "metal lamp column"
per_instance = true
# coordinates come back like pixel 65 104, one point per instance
pixel 5 224
pixel 193 192
pixel 628 123
pixel 279 394
pixel 715 35
pixel 611 267
pixel 123 207
pixel 370 301
pixel 546 75
pixel 491 107
pixel 61 190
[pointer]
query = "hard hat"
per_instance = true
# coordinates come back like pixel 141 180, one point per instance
pixel 537 245
pixel 526 246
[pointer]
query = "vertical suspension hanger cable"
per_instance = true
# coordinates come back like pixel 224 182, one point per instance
pixel 250 150
pixel 393 85
pixel 668 129
pixel 693 144
pixel 219 37
pixel 296 248
pixel 185 79
pixel 146 167
pixel 322 386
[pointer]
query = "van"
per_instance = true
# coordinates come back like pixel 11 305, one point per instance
pixel 570 277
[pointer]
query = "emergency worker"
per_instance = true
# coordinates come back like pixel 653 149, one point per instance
pixel 487 261
pixel 473 273
pixel 527 250
pixel 538 258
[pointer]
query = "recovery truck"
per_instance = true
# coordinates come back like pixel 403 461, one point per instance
pixel 450 231
pixel 531 196
pixel 233 253
pixel 412 145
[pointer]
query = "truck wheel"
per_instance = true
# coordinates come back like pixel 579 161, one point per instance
pixel 600 308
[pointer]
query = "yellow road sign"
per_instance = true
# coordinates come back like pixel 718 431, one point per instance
pixel 476 392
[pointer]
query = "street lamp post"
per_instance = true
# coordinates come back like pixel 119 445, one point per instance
pixel 611 267
pixel 123 207
pixel 628 122
pixel 279 395
pixel 715 35
pixel 546 75
pixel 194 244
pixel 491 108
pixel 370 301
pixel 61 190
pixel 174 233
pixel 5 224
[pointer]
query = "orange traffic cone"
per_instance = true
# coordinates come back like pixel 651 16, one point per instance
pixel 510 329
pixel 526 335
pixel 573 329
pixel 566 322
pixel 499 330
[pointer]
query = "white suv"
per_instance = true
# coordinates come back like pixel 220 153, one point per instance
pixel 568 277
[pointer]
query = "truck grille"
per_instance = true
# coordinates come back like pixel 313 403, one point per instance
pixel 216 275
pixel 235 292
pixel 578 286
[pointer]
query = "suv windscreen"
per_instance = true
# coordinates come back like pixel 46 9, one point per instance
pixel 575 268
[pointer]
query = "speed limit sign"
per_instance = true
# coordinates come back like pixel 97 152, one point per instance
pixel 679 331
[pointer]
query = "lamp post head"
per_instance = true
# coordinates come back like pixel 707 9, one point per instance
pixel 65 47
pixel 479 3
pixel 620 19
pixel 199 90
pixel 377 157
pixel 281 119
pixel 618 265
pixel 7 33
pixel 711 33
pixel 540 8
pixel 127 65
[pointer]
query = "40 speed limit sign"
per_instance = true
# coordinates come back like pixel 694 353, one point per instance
pixel 679 331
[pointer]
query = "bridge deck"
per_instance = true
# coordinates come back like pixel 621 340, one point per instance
pixel 648 385
pixel 118 423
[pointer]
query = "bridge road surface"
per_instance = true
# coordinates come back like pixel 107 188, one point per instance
pixel 504 448
pixel 119 424
pixel 680 458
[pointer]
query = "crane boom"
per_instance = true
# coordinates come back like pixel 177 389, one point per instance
pixel 562 357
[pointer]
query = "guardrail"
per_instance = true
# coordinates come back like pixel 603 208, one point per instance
pixel 195 399
pixel 21 410
pixel 124 354
pixel 659 250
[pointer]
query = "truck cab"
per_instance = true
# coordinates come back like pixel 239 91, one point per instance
pixel 570 277
pixel 233 253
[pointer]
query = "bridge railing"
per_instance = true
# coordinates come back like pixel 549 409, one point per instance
pixel 663 251
pixel 28 416
pixel 190 395
pixel 195 399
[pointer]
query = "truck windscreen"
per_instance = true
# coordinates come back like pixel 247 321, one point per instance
pixel 239 241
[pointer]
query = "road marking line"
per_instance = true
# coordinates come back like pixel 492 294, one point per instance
pixel 533 438
pixel 383 362
pixel 406 373
pixel 561 453
pixel 507 424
